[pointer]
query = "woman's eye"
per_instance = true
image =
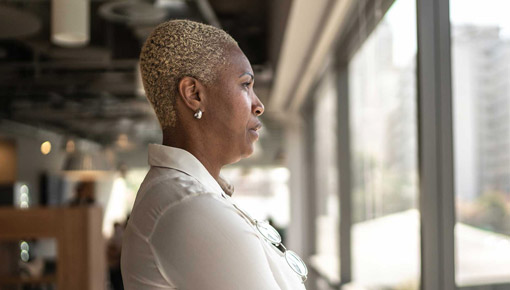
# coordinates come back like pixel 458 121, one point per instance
pixel 247 85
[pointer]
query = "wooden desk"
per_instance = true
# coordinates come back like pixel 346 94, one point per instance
pixel 81 262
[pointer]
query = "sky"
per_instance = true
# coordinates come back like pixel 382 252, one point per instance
pixel 402 19
pixel 480 12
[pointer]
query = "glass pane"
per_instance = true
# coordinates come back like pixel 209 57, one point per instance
pixel 382 94
pixel 480 34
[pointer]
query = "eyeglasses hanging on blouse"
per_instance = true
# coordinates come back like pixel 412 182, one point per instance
pixel 271 235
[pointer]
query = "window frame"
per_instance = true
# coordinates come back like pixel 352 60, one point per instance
pixel 435 160
pixel 435 138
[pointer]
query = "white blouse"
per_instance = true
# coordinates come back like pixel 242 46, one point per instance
pixel 185 233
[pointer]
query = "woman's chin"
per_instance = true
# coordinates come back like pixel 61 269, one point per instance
pixel 246 152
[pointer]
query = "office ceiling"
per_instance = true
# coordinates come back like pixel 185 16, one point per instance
pixel 91 91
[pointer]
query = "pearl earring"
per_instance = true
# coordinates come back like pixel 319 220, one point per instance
pixel 198 114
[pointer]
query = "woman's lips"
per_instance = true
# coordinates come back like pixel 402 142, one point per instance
pixel 254 132
pixel 257 126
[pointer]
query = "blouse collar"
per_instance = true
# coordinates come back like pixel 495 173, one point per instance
pixel 182 160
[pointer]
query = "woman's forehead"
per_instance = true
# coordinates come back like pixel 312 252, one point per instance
pixel 238 63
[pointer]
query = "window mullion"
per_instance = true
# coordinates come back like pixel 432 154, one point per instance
pixel 435 145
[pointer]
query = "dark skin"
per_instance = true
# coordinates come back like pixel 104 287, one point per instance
pixel 229 124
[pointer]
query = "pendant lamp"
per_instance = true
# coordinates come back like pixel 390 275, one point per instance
pixel 86 165
pixel 16 23
pixel 70 22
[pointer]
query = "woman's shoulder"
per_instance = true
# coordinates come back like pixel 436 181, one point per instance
pixel 199 240
pixel 159 193
pixel 203 216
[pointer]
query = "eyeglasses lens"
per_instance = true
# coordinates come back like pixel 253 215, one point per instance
pixel 293 259
pixel 296 263
pixel 269 232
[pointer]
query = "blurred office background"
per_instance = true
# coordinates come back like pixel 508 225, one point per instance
pixel 384 159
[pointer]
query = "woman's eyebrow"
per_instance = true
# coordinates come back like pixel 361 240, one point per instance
pixel 247 73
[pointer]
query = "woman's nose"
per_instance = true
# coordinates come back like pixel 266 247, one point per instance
pixel 258 107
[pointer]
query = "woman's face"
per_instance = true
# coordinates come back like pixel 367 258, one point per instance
pixel 233 107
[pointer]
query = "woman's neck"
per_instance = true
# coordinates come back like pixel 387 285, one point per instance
pixel 197 149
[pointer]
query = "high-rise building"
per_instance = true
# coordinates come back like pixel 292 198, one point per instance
pixel 480 59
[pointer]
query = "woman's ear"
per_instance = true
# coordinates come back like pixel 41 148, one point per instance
pixel 191 92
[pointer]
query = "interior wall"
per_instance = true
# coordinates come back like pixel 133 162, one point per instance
pixel 8 162
pixel 30 162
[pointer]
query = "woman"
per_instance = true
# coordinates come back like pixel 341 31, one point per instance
pixel 184 231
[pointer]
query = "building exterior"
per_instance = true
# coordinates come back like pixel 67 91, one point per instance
pixel 481 96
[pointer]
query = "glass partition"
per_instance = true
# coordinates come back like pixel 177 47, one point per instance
pixel 383 120
pixel 480 46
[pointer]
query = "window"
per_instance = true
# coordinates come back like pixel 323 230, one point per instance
pixel 480 32
pixel 383 120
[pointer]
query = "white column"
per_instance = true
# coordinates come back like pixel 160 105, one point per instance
pixel 295 159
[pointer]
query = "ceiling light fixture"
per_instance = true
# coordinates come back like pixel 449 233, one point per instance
pixel 15 23
pixel 172 4
pixel 139 90
pixel 70 22
pixel 132 12
pixel 46 147
pixel 70 146
pixel 86 165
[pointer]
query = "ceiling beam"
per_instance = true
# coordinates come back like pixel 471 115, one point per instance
pixel 208 13
pixel 312 31
pixel 304 21
pixel 335 24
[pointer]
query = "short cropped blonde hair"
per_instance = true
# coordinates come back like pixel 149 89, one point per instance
pixel 176 49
